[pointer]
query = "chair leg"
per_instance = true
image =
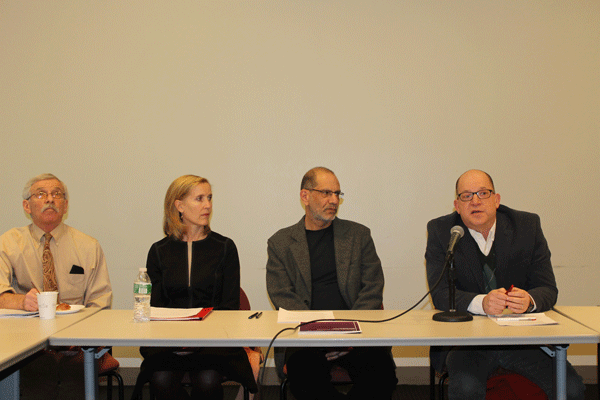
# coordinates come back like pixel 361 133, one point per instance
pixel 121 386
pixel 442 381
pixel 283 390
pixel 108 387
pixel 431 383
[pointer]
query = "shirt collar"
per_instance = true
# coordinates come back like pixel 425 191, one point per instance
pixel 38 233
pixel 484 245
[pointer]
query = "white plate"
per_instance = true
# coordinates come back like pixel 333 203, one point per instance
pixel 74 308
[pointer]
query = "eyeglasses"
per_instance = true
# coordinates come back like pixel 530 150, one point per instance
pixel 482 194
pixel 56 195
pixel 326 193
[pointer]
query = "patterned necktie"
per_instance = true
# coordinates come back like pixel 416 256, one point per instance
pixel 48 264
pixel 490 278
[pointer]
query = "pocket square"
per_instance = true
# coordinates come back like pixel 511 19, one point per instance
pixel 76 269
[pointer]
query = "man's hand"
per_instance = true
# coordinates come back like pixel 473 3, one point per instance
pixel 495 302
pixel 518 300
pixel 30 300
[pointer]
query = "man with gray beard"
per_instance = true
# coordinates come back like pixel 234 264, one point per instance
pixel 326 263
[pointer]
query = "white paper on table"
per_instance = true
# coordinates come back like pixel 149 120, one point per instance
pixel 296 317
pixel 6 313
pixel 523 319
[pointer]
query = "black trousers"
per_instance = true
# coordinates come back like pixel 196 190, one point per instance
pixel 469 368
pixel 372 370
pixel 53 378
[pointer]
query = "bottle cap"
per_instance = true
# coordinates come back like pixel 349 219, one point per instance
pixel 143 269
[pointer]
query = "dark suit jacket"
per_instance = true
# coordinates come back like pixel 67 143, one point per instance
pixel 522 259
pixel 359 272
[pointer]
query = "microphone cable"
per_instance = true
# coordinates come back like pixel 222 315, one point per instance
pixel 262 368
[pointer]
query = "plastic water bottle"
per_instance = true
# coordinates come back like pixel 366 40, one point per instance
pixel 142 287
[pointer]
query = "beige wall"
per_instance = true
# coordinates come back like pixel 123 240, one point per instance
pixel 398 98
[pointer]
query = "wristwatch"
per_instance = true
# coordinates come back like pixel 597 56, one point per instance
pixel 530 308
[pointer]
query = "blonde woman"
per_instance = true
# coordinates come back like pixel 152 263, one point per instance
pixel 193 267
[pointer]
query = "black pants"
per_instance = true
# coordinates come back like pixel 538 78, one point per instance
pixel 372 370
pixel 469 368
pixel 51 377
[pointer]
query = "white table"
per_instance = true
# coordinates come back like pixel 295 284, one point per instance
pixel 233 328
pixel 23 337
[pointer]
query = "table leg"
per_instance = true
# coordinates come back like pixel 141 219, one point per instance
pixel 559 354
pixel 9 386
pixel 561 371
pixel 90 370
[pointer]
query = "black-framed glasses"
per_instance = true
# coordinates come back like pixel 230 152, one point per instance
pixel 482 194
pixel 56 195
pixel 326 193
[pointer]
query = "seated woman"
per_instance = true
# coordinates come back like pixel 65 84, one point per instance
pixel 193 267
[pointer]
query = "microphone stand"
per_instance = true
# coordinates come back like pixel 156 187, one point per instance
pixel 452 315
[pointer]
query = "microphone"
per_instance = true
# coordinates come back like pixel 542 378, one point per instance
pixel 452 315
pixel 455 234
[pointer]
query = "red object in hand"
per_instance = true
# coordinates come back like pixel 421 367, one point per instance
pixel 510 288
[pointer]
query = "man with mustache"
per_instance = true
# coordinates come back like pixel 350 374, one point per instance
pixel 327 263
pixel 502 262
pixel 80 276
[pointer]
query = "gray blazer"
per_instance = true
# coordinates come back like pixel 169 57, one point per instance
pixel 359 272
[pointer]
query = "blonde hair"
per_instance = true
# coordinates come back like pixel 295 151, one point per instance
pixel 172 224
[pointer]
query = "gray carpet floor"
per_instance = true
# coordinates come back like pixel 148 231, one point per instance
pixel 403 392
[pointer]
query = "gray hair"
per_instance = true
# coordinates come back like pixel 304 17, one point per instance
pixel 41 177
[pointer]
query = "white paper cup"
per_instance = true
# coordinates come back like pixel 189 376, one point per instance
pixel 47 304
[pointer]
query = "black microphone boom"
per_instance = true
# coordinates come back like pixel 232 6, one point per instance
pixel 452 315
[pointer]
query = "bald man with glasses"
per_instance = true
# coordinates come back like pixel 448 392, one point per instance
pixel 502 262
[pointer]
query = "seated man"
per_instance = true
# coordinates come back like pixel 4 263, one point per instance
pixel 326 263
pixel 502 248
pixel 48 255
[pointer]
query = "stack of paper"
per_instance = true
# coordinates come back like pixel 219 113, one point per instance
pixel 178 314
pixel 5 313
pixel 523 319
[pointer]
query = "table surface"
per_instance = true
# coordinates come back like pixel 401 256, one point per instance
pixel 22 337
pixel 233 328
pixel 585 315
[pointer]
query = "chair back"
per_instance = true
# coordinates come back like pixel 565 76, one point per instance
pixel 244 302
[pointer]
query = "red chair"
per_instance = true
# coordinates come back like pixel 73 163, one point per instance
pixel 502 385
pixel 108 367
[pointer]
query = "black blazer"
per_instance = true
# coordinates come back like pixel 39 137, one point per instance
pixel 522 259
pixel 215 276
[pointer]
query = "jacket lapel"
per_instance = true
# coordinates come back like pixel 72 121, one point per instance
pixel 343 252
pixel 299 250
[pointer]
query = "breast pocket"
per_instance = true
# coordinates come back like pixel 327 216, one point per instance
pixel 72 290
